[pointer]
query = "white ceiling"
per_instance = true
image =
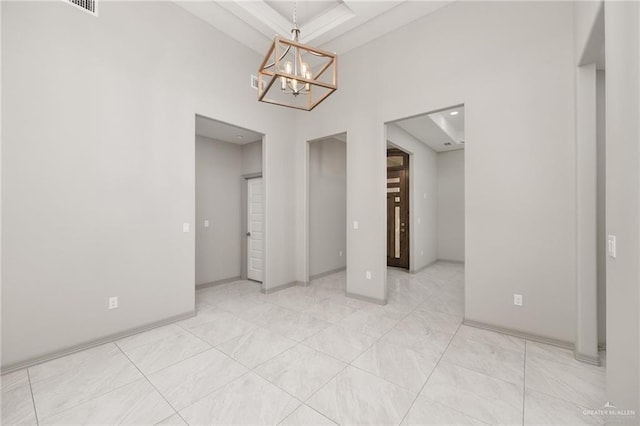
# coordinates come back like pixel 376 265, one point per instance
pixel 437 129
pixel 224 132
pixel 333 25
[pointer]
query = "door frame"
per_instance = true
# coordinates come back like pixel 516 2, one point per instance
pixel 244 254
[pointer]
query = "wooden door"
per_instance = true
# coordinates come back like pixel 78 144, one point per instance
pixel 397 208
pixel 255 216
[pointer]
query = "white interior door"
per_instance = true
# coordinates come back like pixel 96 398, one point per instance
pixel 255 232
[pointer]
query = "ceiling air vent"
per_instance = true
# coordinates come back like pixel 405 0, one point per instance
pixel 90 6
pixel 447 144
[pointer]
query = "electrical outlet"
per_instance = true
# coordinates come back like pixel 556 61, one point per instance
pixel 206 223
pixel 368 275
pixel 517 299
pixel 113 302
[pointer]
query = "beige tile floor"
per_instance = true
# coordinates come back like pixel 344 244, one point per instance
pixel 311 356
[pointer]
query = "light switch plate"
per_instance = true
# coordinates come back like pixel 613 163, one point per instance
pixel 185 227
pixel 611 246
pixel 113 302
pixel 206 223
pixel 368 275
pixel 517 299
pixel 355 224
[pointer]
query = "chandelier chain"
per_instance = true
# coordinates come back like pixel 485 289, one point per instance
pixel 295 11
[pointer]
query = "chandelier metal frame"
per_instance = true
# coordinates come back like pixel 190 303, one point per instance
pixel 272 69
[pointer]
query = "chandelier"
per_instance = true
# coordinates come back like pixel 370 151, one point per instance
pixel 295 75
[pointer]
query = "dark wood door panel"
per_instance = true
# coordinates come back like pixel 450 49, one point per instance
pixel 397 209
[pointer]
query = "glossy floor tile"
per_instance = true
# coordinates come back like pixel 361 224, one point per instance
pixel 132 404
pixel 218 327
pixel 581 384
pixel 355 397
pixel 340 342
pixel 491 338
pixel 427 412
pixel 248 400
pixel 256 347
pixel 399 365
pixel 157 355
pixel 541 409
pixel 495 361
pixel 306 416
pixel 300 370
pixel 298 326
pixel 485 398
pixel 414 333
pixel 311 356
pixel 72 380
pixel 173 420
pixel 184 383
pixel 17 402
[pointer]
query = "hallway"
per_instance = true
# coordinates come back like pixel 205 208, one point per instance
pixel 309 355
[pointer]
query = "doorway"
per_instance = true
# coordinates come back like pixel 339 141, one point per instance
pixel 425 163
pixel 326 206
pixel 229 203
pixel 255 227
pixel 398 230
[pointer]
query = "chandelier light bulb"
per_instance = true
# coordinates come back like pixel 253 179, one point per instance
pixel 307 86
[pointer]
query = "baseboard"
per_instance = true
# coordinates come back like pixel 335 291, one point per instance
pixel 589 359
pixel 93 343
pixel 216 283
pixel 324 274
pixel 282 287
pixel 458 262
pixel 521 334
pixel 366 298
pixel 416 271
pixel 424 267
pixel 397 268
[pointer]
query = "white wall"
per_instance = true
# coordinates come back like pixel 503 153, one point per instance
pixel 252 158
pixel 451 205
pixel 94 196
pixel 622 26
pixel 327 206
pixel 517 85
pixel 218 200
pixel 423 201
